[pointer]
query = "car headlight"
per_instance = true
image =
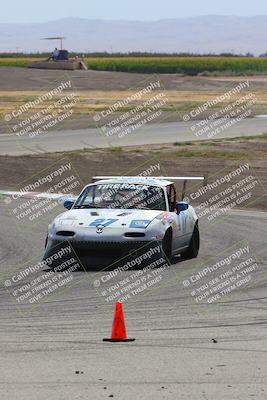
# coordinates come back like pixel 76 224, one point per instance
pixel 140 223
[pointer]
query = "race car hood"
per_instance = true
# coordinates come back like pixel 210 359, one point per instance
pixel 113 218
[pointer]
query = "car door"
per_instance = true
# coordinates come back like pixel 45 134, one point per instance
pixel 181 224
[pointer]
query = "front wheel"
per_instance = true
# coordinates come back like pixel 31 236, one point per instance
pixel 167 246
pixel 193 249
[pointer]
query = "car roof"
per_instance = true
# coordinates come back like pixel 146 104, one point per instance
pixel 137 181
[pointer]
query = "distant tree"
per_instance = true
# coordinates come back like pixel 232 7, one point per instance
pixel 228 55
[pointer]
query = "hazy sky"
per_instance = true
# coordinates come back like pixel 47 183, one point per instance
pixel 46 10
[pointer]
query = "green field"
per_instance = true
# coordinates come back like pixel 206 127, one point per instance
pixel 182 65
pixel 14 62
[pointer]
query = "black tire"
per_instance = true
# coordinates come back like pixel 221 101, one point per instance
pixel 167 246
pixel 193 249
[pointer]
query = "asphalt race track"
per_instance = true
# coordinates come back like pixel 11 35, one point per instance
pixel 183 349
pixel 171 132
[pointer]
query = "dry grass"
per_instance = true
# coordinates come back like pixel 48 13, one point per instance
pixel 90 101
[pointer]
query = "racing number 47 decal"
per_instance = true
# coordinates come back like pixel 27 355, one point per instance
pixel 103 221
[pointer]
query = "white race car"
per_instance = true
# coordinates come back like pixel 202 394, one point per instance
pixel 116 217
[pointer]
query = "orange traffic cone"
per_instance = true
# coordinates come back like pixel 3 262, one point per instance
pixel 119 330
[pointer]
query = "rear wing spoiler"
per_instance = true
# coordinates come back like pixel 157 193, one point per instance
pixel 60 197
pixel 185 179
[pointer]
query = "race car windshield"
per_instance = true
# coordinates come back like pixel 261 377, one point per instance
pixel 123 196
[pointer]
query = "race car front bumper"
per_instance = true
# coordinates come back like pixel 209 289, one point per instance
pixel 106 253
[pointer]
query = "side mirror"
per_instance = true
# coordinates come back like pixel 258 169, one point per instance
pixel 69 203
pixel 181 206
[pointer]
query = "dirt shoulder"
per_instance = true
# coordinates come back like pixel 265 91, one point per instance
pixel 18 79
pixel 211 159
